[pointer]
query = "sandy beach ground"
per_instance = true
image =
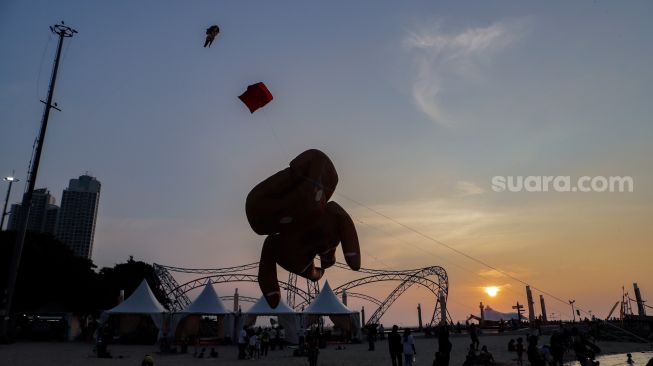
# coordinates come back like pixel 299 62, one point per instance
pixel 46 353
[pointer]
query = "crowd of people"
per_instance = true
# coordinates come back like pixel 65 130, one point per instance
pixel 571 342
pixel 255 343
pixel 552 354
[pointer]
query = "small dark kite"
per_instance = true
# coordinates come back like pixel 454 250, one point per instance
pixel 211 33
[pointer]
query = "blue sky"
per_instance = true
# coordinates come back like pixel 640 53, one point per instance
pixel 418 104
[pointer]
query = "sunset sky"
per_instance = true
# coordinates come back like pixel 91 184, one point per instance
pixel 419 104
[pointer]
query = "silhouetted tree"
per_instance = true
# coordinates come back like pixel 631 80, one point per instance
pixel 50 278
pixel 127 276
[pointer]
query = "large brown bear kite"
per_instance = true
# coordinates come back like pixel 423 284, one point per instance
pixel 292 208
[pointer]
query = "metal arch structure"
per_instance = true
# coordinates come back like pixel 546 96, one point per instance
pixel 406 279
pixel 312 287
pixel 177 299
pixel 371 299
pixel 231 278
pixel 433 278
pixel 240 298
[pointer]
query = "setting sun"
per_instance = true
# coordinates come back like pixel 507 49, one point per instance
pixel 492 291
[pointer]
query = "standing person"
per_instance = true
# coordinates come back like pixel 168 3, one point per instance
pixel 242 343
pixel 557 348
pixel 265 341
pixel 473 333
pixel 534 356
pixel 253 340
pixel 371 336
pixel 381 332
pixel 511 346
pixel 520 350
pixel 444 346
pixel 313 348
pixel 630 359
pixel 584 349
pixel 275 341
pixel 282 337
pixel 409 347
pixel 396 346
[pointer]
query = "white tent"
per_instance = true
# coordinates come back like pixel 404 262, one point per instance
pixel 327 303
pixel 142 301
pixel 207 302
pixel 287 317
pixel 261 307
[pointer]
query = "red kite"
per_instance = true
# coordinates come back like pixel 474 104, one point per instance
pixel 256 96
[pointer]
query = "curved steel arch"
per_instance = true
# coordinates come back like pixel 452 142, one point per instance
pixel 240 298
pixel 238 277
pixel 178 299
pixel 369 298
pixel 407 280
pixel 241 268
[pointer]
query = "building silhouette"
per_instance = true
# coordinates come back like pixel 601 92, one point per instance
pixel 78 215
pixel 42 215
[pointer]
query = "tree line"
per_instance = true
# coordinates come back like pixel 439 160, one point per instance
pixel 51 279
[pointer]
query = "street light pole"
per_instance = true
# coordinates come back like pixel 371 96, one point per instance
pixel 11 181
pixel 573 312
pixel 62 31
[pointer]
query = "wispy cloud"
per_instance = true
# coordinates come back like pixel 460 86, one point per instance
pixel 440 55
pixel 466 188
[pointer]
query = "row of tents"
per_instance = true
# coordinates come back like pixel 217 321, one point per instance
pixel 143 302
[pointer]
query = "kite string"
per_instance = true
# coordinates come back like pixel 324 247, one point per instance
pixel 470 257
pixel 430 238
pixel 484 263
pixel 466 306
pixel 282 147
pixel 479 275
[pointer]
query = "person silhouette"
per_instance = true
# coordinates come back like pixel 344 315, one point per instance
pixel 630 359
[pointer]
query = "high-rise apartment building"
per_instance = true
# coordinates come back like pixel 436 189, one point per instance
pixel 78 215
pixel 42 215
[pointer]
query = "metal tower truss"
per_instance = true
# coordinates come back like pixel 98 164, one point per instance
pixel 313 289
pixel 433 278
pixel 230 298
pixel 178 300
pixel 290 295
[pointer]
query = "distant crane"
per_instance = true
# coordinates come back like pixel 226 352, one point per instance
pixel 612 311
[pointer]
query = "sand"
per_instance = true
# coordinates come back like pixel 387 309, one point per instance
pixel 72 353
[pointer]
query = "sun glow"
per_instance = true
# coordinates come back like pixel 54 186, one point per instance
pixel 492 291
